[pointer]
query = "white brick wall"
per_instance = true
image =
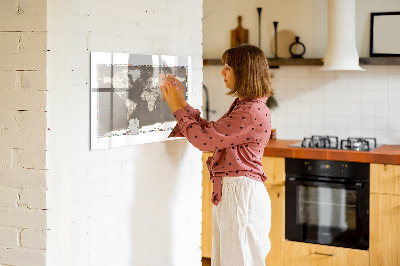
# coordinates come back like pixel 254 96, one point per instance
pixel 138 205
pixel 23 132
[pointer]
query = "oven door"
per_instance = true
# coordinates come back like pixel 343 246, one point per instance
pixel 327 213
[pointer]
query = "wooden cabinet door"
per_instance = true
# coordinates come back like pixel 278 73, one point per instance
pixel 384 237
pixel 274 168
pixel 304 254
pixel 385 178
pixel 206 226
pixel 277 233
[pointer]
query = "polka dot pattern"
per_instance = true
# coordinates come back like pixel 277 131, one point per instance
pixel 238 139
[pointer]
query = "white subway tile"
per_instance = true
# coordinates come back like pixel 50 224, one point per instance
pixel 394 137
pixel 355 96
pixel 381 110
pixel 394 83
pixel 394 110
pixel 342 80
pixel 304 73
pixel 342 122
pixel 382 123
pixel 329 109
pixel 329 94
pixel 354 80
pixel 367 133
pixel 380 71
pixel 367 96
pixel 355 132
pixel 342 109
pixel 355 109
pixel 291 71
pixel 394 97
pixel 381 97
pixel 355 122
pixel 342 96
pixel 368 122
pixel 367 110
pixel 394 123
pixel 382 136
pixel 380 84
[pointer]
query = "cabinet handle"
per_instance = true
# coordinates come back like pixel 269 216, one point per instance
pixel 324 254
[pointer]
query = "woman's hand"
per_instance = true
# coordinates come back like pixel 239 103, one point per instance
pixel 174 93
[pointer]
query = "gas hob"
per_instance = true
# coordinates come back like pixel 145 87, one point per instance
pixel 332 142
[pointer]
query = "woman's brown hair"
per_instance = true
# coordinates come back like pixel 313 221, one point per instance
pixel 250 66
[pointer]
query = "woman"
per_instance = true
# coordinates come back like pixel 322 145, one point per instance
pixel 242 208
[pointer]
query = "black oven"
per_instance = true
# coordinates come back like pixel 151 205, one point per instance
pixel 327 202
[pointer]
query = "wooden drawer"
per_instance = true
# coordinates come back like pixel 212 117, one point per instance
pixel 304 254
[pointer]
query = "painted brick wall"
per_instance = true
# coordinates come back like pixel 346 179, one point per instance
pixel 137 205
pixel 23 132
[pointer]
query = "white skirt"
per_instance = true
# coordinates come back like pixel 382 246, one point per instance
pixel 241 223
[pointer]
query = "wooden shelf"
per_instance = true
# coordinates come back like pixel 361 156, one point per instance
pixel 294 62
pixel 380 61
pixel 274 63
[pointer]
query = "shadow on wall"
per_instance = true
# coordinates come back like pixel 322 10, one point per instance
pixel 155 198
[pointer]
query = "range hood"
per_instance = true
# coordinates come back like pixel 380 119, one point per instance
pixel 341 51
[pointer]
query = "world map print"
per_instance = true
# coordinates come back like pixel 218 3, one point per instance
pixel 130 100
pixel 127 104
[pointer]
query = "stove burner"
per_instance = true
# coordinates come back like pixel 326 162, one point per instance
pixel 358 144
pixel 328 142
pixel 332 142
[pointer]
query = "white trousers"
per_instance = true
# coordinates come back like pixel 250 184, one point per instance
pixel 241 223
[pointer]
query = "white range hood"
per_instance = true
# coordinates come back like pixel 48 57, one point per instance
pixel 341 51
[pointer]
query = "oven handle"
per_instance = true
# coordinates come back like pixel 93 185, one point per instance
pixel 324 254
pixel 357 185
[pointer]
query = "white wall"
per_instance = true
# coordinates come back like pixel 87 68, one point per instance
pixel 311 102
pixel 23 133
pixel 137 205
pixel 306 19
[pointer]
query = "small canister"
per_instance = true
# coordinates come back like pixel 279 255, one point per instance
pixel 273 134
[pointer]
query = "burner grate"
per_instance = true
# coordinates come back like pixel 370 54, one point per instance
pixel 327 142
pixel 332 142
pixel 358 144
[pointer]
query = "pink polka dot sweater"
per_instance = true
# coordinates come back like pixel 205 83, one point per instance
pixel 238 139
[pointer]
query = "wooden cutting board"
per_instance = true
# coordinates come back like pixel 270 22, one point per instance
pixel 239 35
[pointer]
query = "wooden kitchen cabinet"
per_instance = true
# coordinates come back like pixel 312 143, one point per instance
pixel 274 168
pixel 206 225
pixel 385 178
pixel 277 233
pixel 305 254
pixel 385 215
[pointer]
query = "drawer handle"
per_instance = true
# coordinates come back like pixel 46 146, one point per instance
pixel 324 254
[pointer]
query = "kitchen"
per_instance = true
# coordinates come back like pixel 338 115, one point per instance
pixel 54 189
pixel 313 104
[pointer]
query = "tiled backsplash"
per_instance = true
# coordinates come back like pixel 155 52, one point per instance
pixel 314 102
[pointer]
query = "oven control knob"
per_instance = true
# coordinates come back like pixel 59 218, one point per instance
pixel 343 168
pixel 308 166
